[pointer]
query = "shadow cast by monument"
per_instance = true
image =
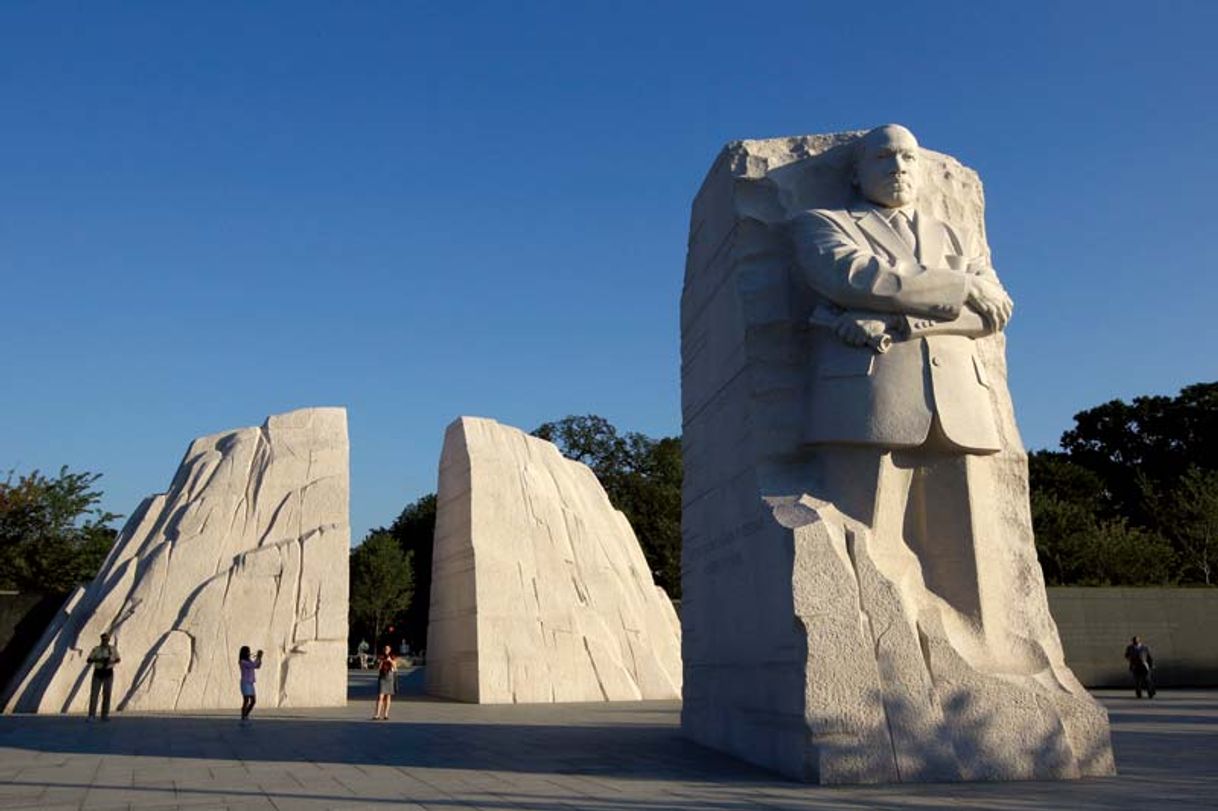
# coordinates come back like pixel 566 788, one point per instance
pixel 644 751
pixel 643 765
pixel 638 751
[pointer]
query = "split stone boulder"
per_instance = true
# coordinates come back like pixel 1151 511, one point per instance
pixel 249 546
pixel 540 591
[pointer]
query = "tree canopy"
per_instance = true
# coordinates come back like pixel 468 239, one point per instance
pixel 413 530
pixel 1144 446
pixel 382 582
pixel 1132 497
pixel 53 533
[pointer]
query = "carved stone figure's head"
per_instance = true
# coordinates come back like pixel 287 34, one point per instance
pixel 886 166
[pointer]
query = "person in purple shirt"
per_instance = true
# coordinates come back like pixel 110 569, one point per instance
pixel 248 666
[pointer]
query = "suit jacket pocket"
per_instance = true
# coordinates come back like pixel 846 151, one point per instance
pixel 846 361
pixel 982 377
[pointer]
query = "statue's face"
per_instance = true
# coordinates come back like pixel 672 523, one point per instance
pixel 887 167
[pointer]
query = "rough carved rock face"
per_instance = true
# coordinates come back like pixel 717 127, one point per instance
pixel 540 592
pixel 248 547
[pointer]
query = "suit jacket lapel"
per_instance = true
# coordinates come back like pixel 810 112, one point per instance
pixel 876 228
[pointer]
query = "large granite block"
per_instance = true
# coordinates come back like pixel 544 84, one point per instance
pixel 540 591
pixel 861 596
pixel 249 546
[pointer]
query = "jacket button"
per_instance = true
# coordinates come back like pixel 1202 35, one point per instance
pixel 935 361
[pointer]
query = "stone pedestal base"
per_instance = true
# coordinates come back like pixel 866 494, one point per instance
pixel 882 681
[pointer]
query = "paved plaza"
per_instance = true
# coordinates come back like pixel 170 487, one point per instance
pixel 441 756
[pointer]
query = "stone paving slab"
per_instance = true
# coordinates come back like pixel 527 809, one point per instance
pixel 440 756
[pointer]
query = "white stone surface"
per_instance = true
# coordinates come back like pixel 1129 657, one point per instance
pixel 539 592
pixel 861 596
pixel 248 547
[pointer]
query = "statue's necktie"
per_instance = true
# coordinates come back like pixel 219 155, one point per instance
pixel 900 224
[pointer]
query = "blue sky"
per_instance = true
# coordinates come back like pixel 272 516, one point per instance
pixel 210 212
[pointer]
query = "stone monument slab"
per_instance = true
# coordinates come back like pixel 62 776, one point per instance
pixel 249 546
pixel 861 596
pixel 540 592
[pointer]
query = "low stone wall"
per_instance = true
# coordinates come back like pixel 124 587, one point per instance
pixel 1178 625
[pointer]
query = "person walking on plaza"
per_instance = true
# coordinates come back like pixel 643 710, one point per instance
pixel 1141 663
pixel 386 668
pixel 248 693
pixel 103 658
pixel 361 651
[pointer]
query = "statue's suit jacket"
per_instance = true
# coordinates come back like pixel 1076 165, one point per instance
pixel 854 259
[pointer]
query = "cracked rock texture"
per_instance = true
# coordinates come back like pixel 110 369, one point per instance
pixel 810 645
pixel 248 547
pixel 539 592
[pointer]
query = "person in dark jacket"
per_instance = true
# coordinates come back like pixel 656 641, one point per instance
pixel 1141 664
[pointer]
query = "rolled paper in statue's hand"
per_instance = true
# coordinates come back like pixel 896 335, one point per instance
pixel 880 343
pixel 822 316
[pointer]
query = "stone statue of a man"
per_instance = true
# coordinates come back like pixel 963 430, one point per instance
pixel 861 598
pixel 890 420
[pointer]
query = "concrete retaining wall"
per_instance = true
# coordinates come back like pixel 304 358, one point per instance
pixel 1179 625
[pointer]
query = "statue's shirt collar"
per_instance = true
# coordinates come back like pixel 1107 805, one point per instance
pixel 865 207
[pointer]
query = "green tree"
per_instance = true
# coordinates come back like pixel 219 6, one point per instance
pixel 1191 516
pixel 1076 548
pixel 1125 555
pixel 1137 473
pixel 382 582
pixel 1149 442
pixel 1053 472
pixel 1067 500
pixel 53 533
pixel 414 531
pixel 642 477
pixel 1064 537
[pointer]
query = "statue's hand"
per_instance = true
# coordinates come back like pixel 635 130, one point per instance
pixel 855 331
pixel 978 267
pixel 989 299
